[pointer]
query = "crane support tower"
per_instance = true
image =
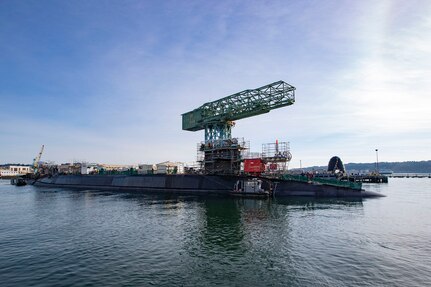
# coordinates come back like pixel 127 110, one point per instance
pixel 221 152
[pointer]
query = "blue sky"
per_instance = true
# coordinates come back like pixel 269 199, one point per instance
pixel 107 81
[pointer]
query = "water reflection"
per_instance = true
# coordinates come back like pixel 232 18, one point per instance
pixel 318 203
pixel 222 226
pixel 169 240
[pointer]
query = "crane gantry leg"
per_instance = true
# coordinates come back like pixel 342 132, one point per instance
pixel 218 131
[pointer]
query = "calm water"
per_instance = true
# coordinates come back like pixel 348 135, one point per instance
pixel 57 237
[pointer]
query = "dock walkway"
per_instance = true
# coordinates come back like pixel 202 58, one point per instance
pixel 409 175
pixel 379 178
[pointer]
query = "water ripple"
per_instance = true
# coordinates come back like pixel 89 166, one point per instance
pixel 57 237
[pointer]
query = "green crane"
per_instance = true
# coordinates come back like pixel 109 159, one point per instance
pixel 217 117
pixel 221 153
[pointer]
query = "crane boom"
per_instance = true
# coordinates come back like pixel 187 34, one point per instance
pixel 240 105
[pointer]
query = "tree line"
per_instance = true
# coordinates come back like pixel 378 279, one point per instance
pixel 396 167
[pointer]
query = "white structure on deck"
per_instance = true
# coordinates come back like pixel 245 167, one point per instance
pixel 166 167
pixel 88 168
pixel 169 167
pixel 15 170
pixel 147 168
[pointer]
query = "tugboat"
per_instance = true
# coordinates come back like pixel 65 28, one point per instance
pixel 252 187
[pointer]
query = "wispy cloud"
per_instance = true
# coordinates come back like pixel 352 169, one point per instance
pixel 109 84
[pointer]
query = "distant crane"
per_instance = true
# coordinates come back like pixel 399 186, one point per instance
pixel 37 159
pixel 222 154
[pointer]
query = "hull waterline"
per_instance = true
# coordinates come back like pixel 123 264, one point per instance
pixel 196 184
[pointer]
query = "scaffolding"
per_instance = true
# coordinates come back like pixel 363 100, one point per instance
pixel 222 156
pixel 276 157
pixel 227 156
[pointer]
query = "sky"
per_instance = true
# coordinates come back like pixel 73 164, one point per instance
pixel 107 81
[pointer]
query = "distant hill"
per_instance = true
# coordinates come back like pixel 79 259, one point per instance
pixel 396 167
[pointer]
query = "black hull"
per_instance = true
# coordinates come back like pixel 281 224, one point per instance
pixel 193 184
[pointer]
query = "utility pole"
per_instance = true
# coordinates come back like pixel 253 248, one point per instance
pixel 377 161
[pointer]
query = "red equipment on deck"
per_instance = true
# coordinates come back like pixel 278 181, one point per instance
pixel 254 166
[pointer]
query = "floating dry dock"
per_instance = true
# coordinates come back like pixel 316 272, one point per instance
pixel 221 157
pixel 200 184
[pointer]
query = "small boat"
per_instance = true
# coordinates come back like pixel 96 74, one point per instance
pixel 251 187
pixel 18 181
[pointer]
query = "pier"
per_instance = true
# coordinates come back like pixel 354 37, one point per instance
pixel 380 178
pixel 370 178
pixel 410 175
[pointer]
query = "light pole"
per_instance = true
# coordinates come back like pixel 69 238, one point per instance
pixel 377 161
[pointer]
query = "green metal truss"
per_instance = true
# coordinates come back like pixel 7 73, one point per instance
pixel 216 117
